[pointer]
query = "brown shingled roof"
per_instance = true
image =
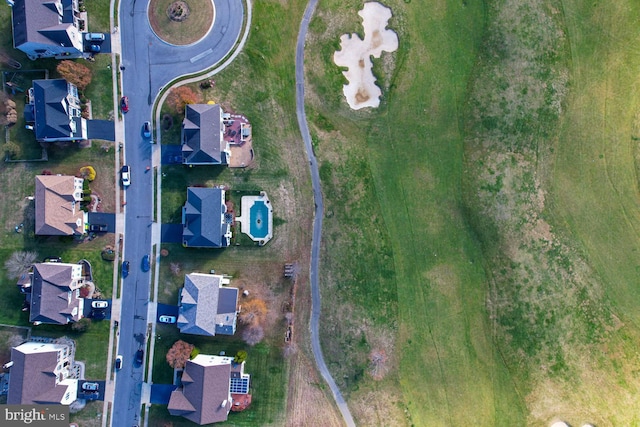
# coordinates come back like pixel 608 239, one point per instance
pixel 57 213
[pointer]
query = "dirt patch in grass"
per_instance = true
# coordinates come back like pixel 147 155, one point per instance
pixel 188 30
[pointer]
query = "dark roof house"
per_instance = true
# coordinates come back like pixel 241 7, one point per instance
pixel 206 307
pixel 47 28
pixel 204 224
pixel 203 136
pixel 41 373
pixel 205 393
pixel 54 106
pixel 55 293
pixel 57 202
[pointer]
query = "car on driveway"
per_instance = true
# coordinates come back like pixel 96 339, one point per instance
pixel 140 356
pixel 98 227
pixel 125 176
pixel 90 386
pixel 94 48
pixel 99 304
pixel 167 319
pixel 145 263
pixel 125 269
pixel 124 104
pixel 146 130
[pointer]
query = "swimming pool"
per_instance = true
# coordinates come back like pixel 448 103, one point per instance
pixel 259 219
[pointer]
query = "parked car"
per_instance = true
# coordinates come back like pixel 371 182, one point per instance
pixel 90 395
pixel 146 130
pixel 145 263
pixel 125 269
pixel 118 362
pixel 98 227
pixel 140 356
pixel 53 259
pixel 94 37
pixel 99 304
pixel 124 104
pixel 94 48
pixel 167 319
pixel 125 175
pixel 91 386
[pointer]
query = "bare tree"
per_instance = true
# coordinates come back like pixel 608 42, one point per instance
pixel 289 350
pixel 19 262
pixel 175 268
pixel 179 353
pixel 253 334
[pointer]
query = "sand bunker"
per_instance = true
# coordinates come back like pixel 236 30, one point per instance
pixel 355 54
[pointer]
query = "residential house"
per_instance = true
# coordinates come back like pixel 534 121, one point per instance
pixel 206 307
pixel 205 394
pixel 204 223
pixel 48 28
pixel 203 136
pixel 55 111
pixel 42 373
pixel 57 203
pixel 55 293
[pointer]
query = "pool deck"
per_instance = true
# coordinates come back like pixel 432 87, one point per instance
pixel 246 202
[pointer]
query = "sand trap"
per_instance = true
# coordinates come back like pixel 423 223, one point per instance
pixel 355 54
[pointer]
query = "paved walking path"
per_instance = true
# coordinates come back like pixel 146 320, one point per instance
pixel 317 222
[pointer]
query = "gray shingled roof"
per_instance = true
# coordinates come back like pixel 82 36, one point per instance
pixel 201 399
pixel 203 225
pixel 42 22
pixel 33 379
pixel 201 130
pixel 50 289
pixel 52 110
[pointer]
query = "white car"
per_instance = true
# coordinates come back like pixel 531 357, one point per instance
pixel 99 304
pixel 118 362
pixel 167 319
pixel 125 176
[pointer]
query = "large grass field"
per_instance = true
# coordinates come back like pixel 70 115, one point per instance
pixel 481 225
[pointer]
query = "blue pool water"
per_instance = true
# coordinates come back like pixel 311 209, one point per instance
pixel 259 215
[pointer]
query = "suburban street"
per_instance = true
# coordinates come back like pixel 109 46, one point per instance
pixel 317 221
pixel 148 64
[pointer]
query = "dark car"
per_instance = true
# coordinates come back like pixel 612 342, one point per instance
pixel 98 227
pixel 124 104
pixel 94 48
pixel 125 269
pixel 146 130
pixel 139 356
pixel 145 263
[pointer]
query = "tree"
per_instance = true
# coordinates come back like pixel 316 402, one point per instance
pixel 253 312
pixel 12 149
pixel 179 97
pixel 88 173
pixel 19 263
pixel 76 73
pixel 253 334
pixel 179 353
pixel 240 357
pixel 81 325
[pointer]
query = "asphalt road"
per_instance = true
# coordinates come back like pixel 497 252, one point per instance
pixel 149 64
pixel 317 222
